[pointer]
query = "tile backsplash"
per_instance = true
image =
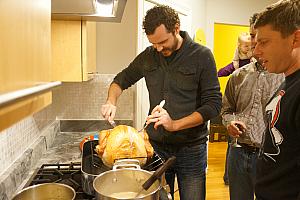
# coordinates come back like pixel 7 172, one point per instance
pixel 84 100
pixel 15 140
pixel 70 101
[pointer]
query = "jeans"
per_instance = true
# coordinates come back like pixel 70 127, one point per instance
pixel 225 176
pixel 241 173
pixel 190 169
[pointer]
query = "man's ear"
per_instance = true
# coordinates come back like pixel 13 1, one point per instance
pixel 296 42
pixel 177 29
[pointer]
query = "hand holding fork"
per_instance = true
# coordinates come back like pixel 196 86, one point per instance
pixel 161 104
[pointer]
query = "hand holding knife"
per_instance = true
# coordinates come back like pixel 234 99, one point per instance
pixel 113 123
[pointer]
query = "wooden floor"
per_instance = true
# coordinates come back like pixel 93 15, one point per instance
pixel 215 188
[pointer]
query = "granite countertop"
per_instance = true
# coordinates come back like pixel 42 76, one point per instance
pixel 65 148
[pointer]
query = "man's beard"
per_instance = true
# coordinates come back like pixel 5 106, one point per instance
pixel 171 49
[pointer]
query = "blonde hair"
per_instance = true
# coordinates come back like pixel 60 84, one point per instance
pixel 244 37
pixel 243 47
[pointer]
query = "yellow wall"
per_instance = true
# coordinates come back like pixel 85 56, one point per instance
pixel 200 37
pixel 225 41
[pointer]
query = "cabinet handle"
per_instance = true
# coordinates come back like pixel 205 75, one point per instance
pixel 15 95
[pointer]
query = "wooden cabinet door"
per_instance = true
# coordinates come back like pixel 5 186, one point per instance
pixel 66 50
pixel 88 49
pixel 24 44
pixel 25 62
pixel 73 50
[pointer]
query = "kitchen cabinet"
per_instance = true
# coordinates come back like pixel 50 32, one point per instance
pixel 13 112
pixel 25 44
pixel 73 50
pixel 25 60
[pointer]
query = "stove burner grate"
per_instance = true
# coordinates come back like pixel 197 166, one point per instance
pixel 69 174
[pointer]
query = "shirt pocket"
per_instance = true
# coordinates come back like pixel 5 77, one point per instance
pixel 151 75
pixel 186 78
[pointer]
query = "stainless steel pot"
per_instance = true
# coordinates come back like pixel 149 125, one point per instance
pixel 125 181
pixel 46 191
pixel 91 166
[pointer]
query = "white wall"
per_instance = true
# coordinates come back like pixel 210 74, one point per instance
pixel 231 12
pixel 116 42
pixel 198 10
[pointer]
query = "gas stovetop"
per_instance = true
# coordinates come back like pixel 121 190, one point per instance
pixel 69 174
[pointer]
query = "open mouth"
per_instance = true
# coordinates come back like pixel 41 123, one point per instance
pixel 165 52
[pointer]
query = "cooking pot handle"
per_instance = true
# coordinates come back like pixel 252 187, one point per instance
pixel 157 174
pixel 127 163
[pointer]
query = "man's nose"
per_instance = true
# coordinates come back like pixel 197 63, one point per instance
pixel 256 50
pixel 158 47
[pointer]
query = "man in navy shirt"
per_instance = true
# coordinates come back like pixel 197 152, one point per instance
pixel 278 47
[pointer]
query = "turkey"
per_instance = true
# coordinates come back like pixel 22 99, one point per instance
pixel 123 142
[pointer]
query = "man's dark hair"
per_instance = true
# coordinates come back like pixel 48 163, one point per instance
pixel 283 16
pixel 253 19
pixel 159 15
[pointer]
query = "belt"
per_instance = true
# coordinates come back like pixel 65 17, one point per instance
pixel 249 148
